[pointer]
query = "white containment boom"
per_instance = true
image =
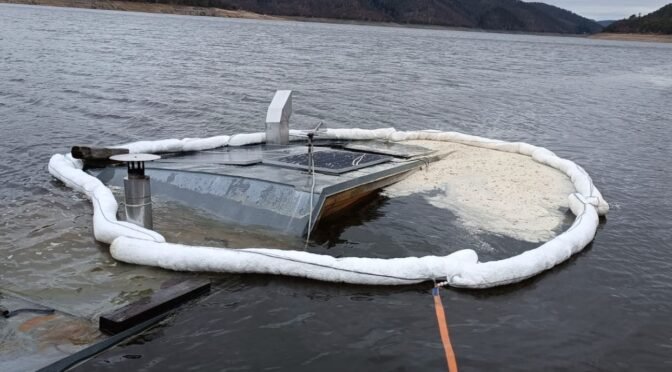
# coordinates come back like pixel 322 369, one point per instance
pixel 277 118
pixel 137 245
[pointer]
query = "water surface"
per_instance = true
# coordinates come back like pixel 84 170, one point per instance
pixel 93 77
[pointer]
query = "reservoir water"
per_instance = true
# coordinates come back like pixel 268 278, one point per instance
pixel 71 76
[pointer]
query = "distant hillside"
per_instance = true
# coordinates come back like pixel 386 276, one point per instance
pixel 658 22
pixel 570 21
pixel 506 15
pixel 606 23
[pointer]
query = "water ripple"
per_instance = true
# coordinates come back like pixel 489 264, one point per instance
pixel 93 77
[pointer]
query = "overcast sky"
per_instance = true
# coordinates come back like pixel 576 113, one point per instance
pixel 607 9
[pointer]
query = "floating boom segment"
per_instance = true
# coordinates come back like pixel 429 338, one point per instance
pixel 460 269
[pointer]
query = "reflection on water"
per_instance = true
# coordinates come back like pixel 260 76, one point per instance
pixel 91 77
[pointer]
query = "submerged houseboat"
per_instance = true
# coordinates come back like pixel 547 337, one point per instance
pixel 287 184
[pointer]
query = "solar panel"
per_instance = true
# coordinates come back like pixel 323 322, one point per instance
pixel 330 161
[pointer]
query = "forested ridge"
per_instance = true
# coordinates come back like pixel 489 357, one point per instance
pixel 505 15
pixel 658 22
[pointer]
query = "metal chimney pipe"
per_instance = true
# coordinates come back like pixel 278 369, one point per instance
pixel 277 118
pixel 137 191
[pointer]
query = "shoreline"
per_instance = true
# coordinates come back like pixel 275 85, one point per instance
pixel 648 38
pixel 129 6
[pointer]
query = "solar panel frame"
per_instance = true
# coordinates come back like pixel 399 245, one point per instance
pixel 333 162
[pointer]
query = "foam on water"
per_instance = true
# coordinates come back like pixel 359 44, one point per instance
pixel 492 191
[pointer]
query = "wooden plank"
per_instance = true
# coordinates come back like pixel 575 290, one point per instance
pixel 146 308
pixel 96 157
pixel 336 203
pixel 95 153
pixel 339 202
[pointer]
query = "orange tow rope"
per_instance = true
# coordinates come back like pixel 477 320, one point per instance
pixel 443 329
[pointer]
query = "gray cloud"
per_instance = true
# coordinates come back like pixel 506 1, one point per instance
pixel 608 9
